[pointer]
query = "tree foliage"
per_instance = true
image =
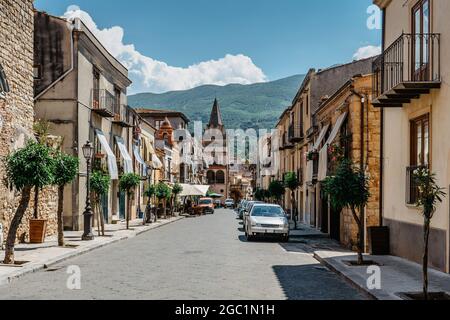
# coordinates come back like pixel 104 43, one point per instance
pixel 276 189
pixel 100 183
pixel 162 191
pixel 291 181
pixel 31 166
pixel 66 168
pixel 430 194
pixel 349 187
pixel 150 192
pixel 128 182
pixel 177 189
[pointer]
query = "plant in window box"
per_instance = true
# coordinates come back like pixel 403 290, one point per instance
pixel 312 155
pixel 99 155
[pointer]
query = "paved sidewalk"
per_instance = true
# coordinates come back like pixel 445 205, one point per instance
pixel 397 275
pixel 41 256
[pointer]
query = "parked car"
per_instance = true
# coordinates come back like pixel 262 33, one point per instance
pixel 248 208
pixel 206 205
pixel 240 209
pixel 266 220
pixel 229 203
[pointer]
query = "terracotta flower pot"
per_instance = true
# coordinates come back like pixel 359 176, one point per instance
pixel 38 228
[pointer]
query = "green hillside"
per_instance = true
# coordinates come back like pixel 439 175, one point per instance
pixel 243 106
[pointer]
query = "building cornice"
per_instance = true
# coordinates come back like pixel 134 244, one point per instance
pixel 382 3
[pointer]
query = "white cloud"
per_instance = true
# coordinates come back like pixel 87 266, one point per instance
pixel 366 52
pixel 156 76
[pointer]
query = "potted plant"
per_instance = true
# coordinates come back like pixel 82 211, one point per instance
pixel 312 155
pixel 26 168
pixel 349 188
pixel 99 186
pixel 66 170
pixel 128 182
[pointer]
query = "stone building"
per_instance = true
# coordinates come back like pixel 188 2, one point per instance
pixel 16 107
pixel 350 125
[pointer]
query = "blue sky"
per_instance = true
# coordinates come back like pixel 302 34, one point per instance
pixel 281 37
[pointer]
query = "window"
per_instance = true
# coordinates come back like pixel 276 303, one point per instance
pixel 420 141
pixel 307 105
pixel 96 89
pixel 211 177
pixel 37 72
pixel 420 154
pixel 220 177
pixel 117 93
pixel 421 28
pixel 4 87
pixel 158 124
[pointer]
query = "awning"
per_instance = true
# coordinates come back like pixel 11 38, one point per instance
pixel 112 161
pixel 156 163
pixel 127 162
pixel 139 159
pixel 194 190
pixel 321 137
pixel 323 155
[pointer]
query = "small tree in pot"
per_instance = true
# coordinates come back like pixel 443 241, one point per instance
pixel 429 195
pixel 176 190
pixel 149 193
pixel 128 182
pixel 349 188
pixel 66 170
pixel 163 193
pixel 26 168
pixel 99 186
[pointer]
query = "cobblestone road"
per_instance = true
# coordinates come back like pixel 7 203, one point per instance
pixel 195 258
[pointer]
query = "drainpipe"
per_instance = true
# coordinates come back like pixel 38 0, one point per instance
pixel 381 196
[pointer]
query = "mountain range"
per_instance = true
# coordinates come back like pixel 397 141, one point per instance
pixel 243 106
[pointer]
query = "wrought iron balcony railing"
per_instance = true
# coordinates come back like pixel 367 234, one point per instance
pixel 409 67
pixel 296 133
pixel 103 102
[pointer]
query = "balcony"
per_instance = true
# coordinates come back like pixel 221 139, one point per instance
pixel 296 134
pixel 122 116
pixel 103 102
pixel 409 68
pixel 285 143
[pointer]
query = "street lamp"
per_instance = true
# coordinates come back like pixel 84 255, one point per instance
pixel 88 151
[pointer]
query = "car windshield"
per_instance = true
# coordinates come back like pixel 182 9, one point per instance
pixel 262 211
pixel 205 201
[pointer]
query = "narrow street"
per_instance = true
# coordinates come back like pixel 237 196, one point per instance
pixel 195 258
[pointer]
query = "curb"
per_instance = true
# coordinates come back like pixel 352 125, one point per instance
pixel 34 267
pixel 347 279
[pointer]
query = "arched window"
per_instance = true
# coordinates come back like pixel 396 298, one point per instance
pixel 220 177
pixel 211 176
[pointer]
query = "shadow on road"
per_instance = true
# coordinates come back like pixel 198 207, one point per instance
pixel 313 282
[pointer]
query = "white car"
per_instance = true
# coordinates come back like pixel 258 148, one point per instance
pixel 229 203
pixel 266 220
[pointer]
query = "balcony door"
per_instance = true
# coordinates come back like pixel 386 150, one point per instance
pixel 421 40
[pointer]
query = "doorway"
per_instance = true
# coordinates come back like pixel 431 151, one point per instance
pixel 122 205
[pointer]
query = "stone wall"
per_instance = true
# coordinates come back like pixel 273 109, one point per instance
pixel 17 108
